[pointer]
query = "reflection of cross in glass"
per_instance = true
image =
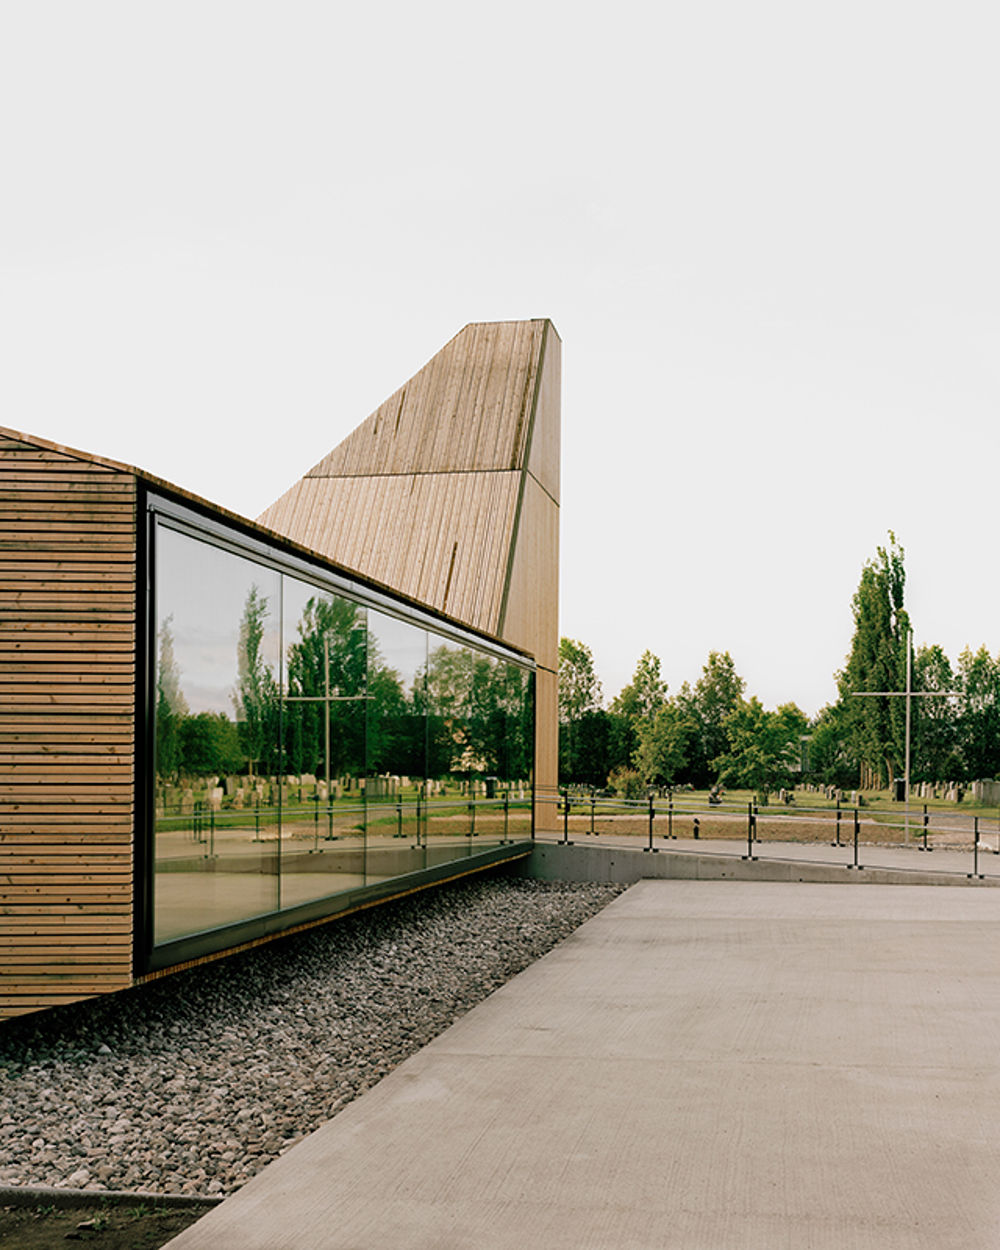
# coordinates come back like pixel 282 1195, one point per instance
pixel 907 694
pixel 326 698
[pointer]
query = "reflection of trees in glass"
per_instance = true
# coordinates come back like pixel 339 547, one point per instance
pixel 480 715
pixel 171 706
pixel 256 697
pixel 449 674
pixel 488 715
pixel 210 745
pixel 342 624
pixel 395 723
pixel 520 724
pixel 192 746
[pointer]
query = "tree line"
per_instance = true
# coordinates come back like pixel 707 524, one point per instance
pixel 710 733
pixel 464 713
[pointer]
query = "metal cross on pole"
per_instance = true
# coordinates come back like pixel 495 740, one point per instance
pixel 908 694
pixel 327 698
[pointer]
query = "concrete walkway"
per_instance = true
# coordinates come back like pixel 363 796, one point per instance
pixel 704 1065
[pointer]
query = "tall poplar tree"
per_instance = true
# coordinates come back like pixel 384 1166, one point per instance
pixel 877 662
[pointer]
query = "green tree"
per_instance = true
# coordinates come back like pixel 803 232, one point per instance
pixel 579 686
pixel 209 745
pixel 979 721
pixel 764 747
pixel 171 706
pixel 663 745
pixel 395 738
pixel 638 702
pixel 449 693
pixel 590 754
pixel 716 695
pixel 256 697
pixel 332 646
pixel 582 724
pixel 934 754
pixel 830 758
pixel 877 662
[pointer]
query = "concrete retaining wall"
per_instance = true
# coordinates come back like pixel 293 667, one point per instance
pixel 554 861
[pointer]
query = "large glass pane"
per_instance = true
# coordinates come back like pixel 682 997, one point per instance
pixel 519 770
pixel 487 750
pixel 451 763
pixel 217 737
pixel 397 746
pixel 325 688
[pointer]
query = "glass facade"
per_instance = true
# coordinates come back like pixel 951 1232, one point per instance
pixel 308 742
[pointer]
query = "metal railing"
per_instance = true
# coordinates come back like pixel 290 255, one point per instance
pixel 849 835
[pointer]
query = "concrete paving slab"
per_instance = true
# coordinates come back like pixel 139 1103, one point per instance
pixel 703 1065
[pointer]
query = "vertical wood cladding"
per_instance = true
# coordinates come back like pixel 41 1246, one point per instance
pixel 67 725
pixel 437 468
pixel 449 492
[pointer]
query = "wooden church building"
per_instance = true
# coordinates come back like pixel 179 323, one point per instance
pixel 215 730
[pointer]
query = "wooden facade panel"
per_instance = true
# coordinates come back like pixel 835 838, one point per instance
pixel 441 538
pixel 407 497
pixel 24 861
pixel 66 820
pixel 464 411
pixel 116 930
pixel 67 725
pixel 531 619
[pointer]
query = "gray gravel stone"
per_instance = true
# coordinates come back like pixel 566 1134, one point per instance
pixel 195 1082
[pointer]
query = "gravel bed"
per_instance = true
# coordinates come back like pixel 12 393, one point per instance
pixel 193 1083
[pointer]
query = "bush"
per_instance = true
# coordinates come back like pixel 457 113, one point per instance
pixel 626 783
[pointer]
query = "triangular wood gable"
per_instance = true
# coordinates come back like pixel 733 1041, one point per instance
pixel 449 493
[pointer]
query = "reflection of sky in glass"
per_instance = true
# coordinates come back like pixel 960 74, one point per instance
pixel 401 647
pixel 205 590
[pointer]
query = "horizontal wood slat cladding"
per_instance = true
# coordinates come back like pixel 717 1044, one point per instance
pixel 67 726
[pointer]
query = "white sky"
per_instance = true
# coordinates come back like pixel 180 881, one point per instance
pixel 766 233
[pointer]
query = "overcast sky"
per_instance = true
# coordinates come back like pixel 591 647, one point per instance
pixel 766 233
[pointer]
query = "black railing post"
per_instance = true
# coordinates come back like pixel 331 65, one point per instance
pixel 256 821
pixel 506 815
pixel 751 831
pixel 857 829
pixel 593 804
pixel 652 816
pixel 975 874
pixel 925 847
pixel 472 825
pixel 565 799
pixel 838 842
pixel 670 816
pixel 399 817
